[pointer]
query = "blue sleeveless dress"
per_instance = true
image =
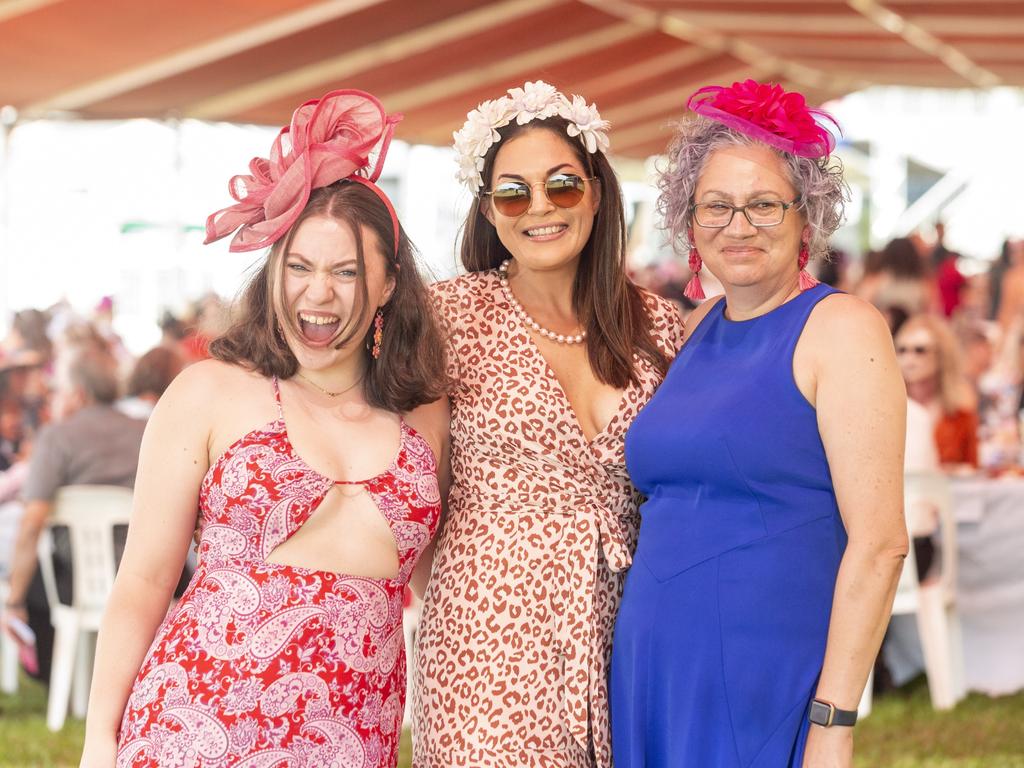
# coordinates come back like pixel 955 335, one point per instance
pixel 721 633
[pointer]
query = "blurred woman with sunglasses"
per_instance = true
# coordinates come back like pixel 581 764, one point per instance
pixel 930 362
pixel 771 458
pixel 552 351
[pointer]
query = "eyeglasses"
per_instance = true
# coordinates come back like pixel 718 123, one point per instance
pixel 916 349
pixel 760 213
pixel 513 197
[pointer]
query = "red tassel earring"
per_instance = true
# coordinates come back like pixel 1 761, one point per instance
pixel 694 290
pixel 806 281
pixel 378 333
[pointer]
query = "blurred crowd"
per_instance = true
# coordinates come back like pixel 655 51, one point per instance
pixel 73 406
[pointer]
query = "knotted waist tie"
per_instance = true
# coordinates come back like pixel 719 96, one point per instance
pixel 593 525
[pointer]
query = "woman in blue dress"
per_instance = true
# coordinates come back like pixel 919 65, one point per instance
pixel 772 537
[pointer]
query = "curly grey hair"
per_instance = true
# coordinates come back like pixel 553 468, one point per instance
pixel 819 182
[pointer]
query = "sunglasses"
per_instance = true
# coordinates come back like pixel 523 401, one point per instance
pixel 918 349
pixel 564 190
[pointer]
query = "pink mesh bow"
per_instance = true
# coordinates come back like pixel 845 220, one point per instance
pixel 767 113
pixel 329 139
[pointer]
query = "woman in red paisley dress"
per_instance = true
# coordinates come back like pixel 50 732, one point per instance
pixel 311 446
pixel 552 353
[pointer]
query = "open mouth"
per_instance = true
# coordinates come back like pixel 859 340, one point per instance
pixel 548 231
pixel 318 327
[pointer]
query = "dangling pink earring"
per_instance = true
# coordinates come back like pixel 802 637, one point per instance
pixel 378 333
pixel 694 290
pixel 806 281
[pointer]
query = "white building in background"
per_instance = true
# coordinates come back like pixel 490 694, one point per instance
pixel 971 144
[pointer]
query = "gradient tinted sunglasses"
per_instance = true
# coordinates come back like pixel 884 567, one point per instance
pixel 512 198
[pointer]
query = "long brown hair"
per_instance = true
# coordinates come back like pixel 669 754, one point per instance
pixel 609 306
pixel 410 369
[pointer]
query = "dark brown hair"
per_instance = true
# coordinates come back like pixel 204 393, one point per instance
pixel 410 369
pixel 609 306
pixel 154 372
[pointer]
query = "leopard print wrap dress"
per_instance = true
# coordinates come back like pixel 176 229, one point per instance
pixel 515 636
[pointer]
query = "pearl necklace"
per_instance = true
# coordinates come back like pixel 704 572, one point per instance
pixel 559 338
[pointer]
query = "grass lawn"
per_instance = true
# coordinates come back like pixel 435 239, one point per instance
pixel 902 732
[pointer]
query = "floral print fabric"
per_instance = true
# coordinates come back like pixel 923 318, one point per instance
pixel 266 665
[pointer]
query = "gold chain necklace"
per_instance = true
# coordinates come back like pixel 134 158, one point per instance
pixel 326 392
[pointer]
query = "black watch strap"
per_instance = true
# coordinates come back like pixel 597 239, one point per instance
pixel 826 714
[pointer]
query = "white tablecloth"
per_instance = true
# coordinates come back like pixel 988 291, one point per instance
pixel 990 590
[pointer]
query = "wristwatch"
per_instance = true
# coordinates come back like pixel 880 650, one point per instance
pixel 826 714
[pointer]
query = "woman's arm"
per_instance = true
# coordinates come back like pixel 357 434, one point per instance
pixel 861 404
pixel 433 422
pixel 172 462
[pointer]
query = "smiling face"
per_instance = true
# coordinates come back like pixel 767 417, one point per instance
pixel 545 236
pixel 321 291
pixel 740 254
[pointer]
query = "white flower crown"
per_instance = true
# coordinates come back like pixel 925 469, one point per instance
pixel 534 101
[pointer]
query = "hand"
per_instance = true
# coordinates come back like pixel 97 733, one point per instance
pixel 19 612
pixel 99 753
pixel 829 747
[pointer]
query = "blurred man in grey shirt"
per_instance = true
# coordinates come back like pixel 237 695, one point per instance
pixel 90 443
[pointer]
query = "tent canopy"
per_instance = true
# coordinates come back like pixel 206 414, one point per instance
pixel 255 60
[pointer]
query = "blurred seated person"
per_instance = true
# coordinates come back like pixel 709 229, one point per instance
pixel 978 353
pixel 1008 282
pixel 29 330
pixel 949 281
pixel 152 374
pixel 89 443
pixel 930 362
pixel 897 276
pixel 22 401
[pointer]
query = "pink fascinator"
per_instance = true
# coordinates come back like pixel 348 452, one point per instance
pixel 769 114
pixel 329 139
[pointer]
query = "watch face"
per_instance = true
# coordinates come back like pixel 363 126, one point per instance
pixel 821 714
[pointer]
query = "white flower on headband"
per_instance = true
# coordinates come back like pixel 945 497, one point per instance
pixel 534 101
pixel 585 121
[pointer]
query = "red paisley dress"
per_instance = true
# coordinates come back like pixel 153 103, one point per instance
pixel 275 666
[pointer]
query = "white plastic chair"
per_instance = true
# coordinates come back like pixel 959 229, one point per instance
pixel 8 651
pixel 932 603
pixel 90 513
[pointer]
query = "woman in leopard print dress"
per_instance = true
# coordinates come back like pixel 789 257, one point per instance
pixel 552 352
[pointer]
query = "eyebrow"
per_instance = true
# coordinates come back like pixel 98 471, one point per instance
pixel 753 195
pixel 304 260
pixel 548 172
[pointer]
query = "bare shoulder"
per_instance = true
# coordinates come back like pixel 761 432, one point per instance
pixel 697 316
pixel 218 400
pixel 841 322
pixel 213 381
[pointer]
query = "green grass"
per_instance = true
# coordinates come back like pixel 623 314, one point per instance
pixel 902 732
pixel 24 738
